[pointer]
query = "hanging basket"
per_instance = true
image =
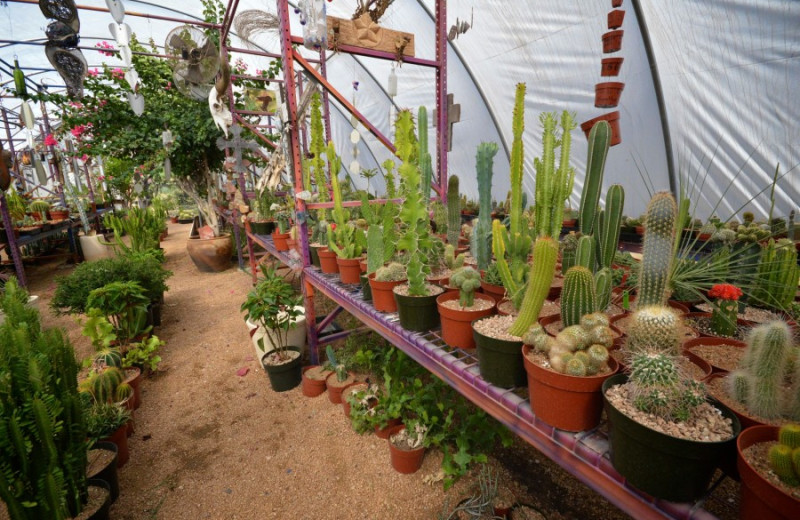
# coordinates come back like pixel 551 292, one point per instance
pixel 610 66
pixel 612 41
pixel 615 18
pixel 607 94
pixel 613 121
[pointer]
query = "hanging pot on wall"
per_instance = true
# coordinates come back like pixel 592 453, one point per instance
pixel 607 94
pixel 612 41
pixel 613 121
pixel 615 18
pixel 610 66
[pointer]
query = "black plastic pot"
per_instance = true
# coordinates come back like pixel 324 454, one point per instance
pixel 287 376
pixel 366 290
pixel 663 466
pixel 314 253
pixel 417 313
pixel 500 361
pixel 154 314
pixel 103 511
pixel 109 472
pixel 262 228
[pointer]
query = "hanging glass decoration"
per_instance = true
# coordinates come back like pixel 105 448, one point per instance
pixel 116 9
pixel 136 101
pixel 391 88
pixel 121 33
pixel 314 22
pixel 19 80
pixel 167 140
pixel 38 164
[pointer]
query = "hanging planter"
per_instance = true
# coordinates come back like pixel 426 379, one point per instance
pixel 612 41
pixel 349 269
pixel 615 18
pixel 327 261
pixel 607 94
pixel 613 121
pixel 616 3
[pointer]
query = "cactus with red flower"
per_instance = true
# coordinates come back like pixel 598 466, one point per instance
pixel 723 317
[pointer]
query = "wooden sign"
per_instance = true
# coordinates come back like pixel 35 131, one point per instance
pixel 365 33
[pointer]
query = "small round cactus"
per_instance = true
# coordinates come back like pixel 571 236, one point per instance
pixel 654 326
pixel 394 272
pixel 573 338
pixel 784 457
pixel 595 319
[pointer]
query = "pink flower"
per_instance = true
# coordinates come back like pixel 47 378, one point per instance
pixel 84 157
pixel 117 73
pixel 169 85
pixel 105 45
pixel 93 73
pixel 49 140
pixel 76 131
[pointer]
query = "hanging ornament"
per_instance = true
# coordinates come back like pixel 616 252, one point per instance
pixel 136 101
pixel 355 168
pixel 38 164
pixel 132 77
pixel 167 169
pixel 116 9
pixel 26 116
pixel 314 22
pixel 126 55
pixel 19 80
pixel 61 34
pixel 138 188
pixel 71 66
pixel 121 33
pixel 355 137
pixel 391 89
pixel 64 11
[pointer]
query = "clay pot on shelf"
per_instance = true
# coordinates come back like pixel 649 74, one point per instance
pixel 610 66
pixel 279 239
pixel 722 344
pixel 457 323
pixel 760 499
pixel 383 294
pixel 613 120
pixel 499 361
pixel 607 94
pixel 615 18
pixel 349 270
pixel 498 292
pixel 327 261
pixel 612 41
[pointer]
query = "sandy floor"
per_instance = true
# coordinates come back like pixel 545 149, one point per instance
pixel 210 444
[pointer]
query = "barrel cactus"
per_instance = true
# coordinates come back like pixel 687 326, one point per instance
pixel 657 386
pixel 784 457
pixel 654 326
pixel 467 280
pixel 394 272
pixel 578 295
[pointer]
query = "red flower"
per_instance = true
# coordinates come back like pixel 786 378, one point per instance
pixel 725 291
pixel 49 140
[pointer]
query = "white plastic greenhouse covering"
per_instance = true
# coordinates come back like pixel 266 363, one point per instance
pixel 728 71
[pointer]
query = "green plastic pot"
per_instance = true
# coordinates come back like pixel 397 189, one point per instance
pixel 287 376
pixel 366 290
pixel 417 313
pixel 678 470
pixel 500 361
pixel 262 228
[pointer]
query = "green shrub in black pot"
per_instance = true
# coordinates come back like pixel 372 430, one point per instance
pixel 124 304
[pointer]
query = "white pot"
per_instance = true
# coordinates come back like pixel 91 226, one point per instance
pixel 296 337
pixel 93 249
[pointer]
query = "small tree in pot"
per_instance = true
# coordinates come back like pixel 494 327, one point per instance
pixel 274 305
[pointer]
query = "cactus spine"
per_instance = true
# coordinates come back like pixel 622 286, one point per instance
pixel 453 211
pixel 483 164
pixel 599 139
pixel 654 327
pixel 659 237
pixel 578 296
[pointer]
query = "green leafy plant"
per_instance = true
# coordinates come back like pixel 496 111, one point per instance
pixel 335 365
pixel 15 204
pixel 346 240
pixel 144 354
pixel 98 329
pixel 103 419
pixel 124 304
pixel 273 304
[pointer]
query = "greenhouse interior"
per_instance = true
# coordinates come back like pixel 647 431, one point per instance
pixel 425 260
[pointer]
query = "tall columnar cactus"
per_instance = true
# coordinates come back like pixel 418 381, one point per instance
pixel 760 381
pixel 777 275
pixel 467 280
pixel 609 225
pixel 784 457
pixel 512 245
pixel 603 285
pixel 425 166
pixel 553 187
pixel 453 211
pixel 654 327
pixel 317 149
pixel 578 295
pixel 599 139
pixel 659 238
pixel 584 255
pixel 347 240
pixel 375 252
pixel 484 161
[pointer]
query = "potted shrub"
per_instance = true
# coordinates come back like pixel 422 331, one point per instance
pixel 108 422
pixel 274 305
pixel 565 373
pixel 769 467
pixel 124 304
pixel 459 309
pixel 261 219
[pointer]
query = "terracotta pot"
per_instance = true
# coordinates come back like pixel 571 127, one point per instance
pixel 739 321
pixel 59 215
pixel 457 324
pixel 615 18
pixel 383 433
pixel 747 421
pixel 404 461
pixel 355 387
pixel 639 230
pixel 279 239
pixel 291 243
pixel 134 379
pixel 612 41
pixel 700 362
pixel 607 94
pixel 327 261
pixel 616 3
pixel 761 500
pixel 335 389
pixel 312 387
pixel 613 120
pixel 349 270
pixel 696 342
pixel 610 66
pixel 211 255
pixel 566 402
pixel 569 222
pixel 362 264
pixel 383 294
pixel 498 292
pixel 120 439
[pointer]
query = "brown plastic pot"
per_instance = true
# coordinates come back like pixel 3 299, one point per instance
pixel 133 376
pixel 457 324
pixel 312 387
pixel 566 402
pixel 335 389
pixel 610 66
pixel 612 41
pixel 607 94
pixel 383 433
pixel 688 345
pixel 355 387
pixel 498 292
pixel 616 3
pixel 761 500
pixel 383 294
pixel 279 239
pixel 615 18
pixel 120 439
pixel 613 121
pixel 404 461
pixel 327 261
pixel 349 270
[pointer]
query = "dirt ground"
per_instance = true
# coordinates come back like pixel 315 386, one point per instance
pixel 210 444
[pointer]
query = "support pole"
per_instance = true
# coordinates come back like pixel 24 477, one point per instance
pixel 11 247
pixel 441 97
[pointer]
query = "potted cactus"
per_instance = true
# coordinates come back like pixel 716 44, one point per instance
pixel 459 309
pixel 339 377
pixel 38 209
pixel 382 283
pixel 345 239
pixel 768 460
pixel 565 373
pixel 416 300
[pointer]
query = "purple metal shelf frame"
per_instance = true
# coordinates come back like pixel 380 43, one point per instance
pixel 584 454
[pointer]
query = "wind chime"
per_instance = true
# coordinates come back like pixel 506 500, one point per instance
pixel 315 26
pixel 62 42
pixel 122 34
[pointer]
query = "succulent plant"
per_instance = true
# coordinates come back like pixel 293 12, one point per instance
pixel 578 295
pixel 657 386
pixel 394 272
pixel 575 351
pixel 453 211
pixel 467 280
pixel 784 457
pixel 657 253
pixel 482 236
pixel 654 327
